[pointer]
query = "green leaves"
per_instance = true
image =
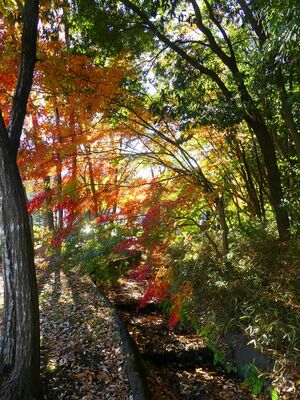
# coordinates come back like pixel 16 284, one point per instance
pixel 274 394
pixel 253 380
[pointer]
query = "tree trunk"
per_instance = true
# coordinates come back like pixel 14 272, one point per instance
pixel 273 175
pixel 287 112
pixel 74 161
pixel 21 336
pixel 59 223
pixel 7 348
pixel 95 207
pixel 49 212
pixel 260 180
pixel 223 224
pixel 254 203
pixel 20 344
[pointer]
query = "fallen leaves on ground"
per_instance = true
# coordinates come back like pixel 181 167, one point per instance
pixel 177 380
pixel 81 350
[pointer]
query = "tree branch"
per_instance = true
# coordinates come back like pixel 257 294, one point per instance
pixel 172 45
pixel 221 29
pixel 229 61
pixel 26 69
pixel 255 24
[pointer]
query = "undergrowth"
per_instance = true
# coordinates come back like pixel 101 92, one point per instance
pixel 94 253
pixel 254 290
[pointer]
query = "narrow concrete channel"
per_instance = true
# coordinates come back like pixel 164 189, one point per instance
pixel 178 365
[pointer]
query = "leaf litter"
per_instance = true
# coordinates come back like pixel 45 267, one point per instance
pixel 177 378
pixel 81 353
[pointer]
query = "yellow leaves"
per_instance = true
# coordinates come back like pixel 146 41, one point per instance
pixel 208 135
pixel 9 7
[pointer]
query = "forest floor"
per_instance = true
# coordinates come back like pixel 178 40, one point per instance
pixel 178 364
pixel 82 357
pixel 81 354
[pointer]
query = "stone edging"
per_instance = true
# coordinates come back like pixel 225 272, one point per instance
pixel 133 361
pixel 244 354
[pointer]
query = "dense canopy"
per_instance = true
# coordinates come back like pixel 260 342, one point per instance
pixel 156 141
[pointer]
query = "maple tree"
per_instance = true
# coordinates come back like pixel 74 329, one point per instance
pixel 214 86
pixel 69 148
pixel 122 181
pixel 219 112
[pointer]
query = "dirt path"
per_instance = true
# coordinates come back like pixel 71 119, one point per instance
pixel 178 364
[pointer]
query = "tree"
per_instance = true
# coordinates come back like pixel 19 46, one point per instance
pixel 163 144
pixel 19 355
pixel 70 150
pixel 211 26
pixel 213 39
